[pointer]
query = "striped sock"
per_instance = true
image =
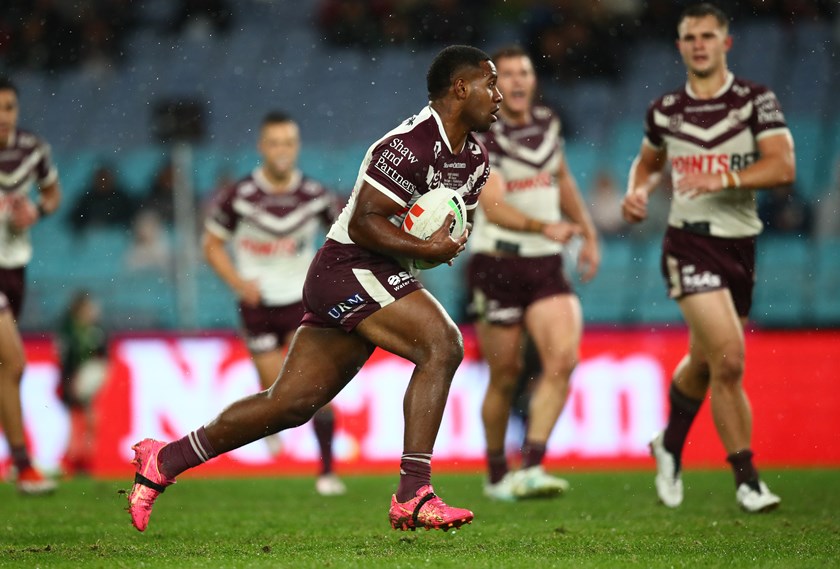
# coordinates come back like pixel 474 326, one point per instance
pixel 185 453
pixel 415 472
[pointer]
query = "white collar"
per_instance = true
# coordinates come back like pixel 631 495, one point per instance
pixel 264 184
pixel 443 132
pixel 730 78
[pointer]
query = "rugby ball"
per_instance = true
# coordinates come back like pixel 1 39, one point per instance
pixel 427 214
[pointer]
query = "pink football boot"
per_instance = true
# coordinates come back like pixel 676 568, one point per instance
pixel 149 482
pixel 428 511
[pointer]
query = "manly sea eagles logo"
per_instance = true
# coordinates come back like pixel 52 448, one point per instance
pixel 433 178
pixel 675 122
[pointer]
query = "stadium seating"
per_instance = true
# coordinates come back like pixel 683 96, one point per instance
pixel 344 100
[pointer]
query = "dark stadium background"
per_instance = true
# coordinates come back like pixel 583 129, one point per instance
pixel 133 86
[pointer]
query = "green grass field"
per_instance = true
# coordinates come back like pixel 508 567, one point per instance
pixel 607 520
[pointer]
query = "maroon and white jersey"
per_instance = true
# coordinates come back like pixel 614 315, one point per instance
pixel 413 159
pixel 273 233
pixel 25 160
pixel 715 135
pixel 528 158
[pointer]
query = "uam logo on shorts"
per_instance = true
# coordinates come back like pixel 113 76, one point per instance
pixel 351 303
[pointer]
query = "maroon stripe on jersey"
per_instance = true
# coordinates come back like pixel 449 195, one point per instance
pixel 533 144
pixel 709 144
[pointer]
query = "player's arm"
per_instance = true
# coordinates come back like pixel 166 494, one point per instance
pixel 25 213
pixel 645 175
pixel 370 228
pixel 574 209
pixel 50 198
pixel 498 211
pixel 218 258
pixel 776 166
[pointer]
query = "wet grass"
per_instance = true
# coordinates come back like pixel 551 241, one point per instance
pixel 607 520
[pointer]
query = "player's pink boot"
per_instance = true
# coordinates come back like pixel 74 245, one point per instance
pixel 149 482
pixel 428 511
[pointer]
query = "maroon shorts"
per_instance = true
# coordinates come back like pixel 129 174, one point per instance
pixel 346 284
pixel 12 289
pixel 502 288
pixel 267 327
pixel 693 263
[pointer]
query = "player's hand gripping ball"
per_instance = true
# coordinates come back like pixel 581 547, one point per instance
pixel 428 213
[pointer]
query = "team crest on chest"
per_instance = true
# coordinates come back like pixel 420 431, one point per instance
pixel 675 122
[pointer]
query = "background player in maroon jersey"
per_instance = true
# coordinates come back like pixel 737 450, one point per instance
pixel 273 217
pixel 724 138
pixel 517 279
pixel 24 160
pixel 358 297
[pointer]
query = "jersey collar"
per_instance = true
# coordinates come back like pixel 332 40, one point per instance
pixel 730 78
pixel 267 187
pixel 443 133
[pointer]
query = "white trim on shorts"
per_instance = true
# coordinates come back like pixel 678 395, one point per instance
pixel 373 287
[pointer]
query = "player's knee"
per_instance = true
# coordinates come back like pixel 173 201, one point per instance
pixel 728 366
pixel 559 365
pixel 504 375
pixel 446 350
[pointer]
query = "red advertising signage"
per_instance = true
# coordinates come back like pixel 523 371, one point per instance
pixel 165 386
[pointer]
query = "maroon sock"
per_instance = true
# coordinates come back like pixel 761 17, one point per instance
pixel 324 425
pixel 743 467
pixel 683 411
pixel 20 458
pixel 415 472
pixel 185 453
pixel 497 465
pixel 532 454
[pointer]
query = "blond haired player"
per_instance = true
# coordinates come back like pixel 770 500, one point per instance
pixel 24 161
pixel 516 275
pixel 724 138
pixel 272 218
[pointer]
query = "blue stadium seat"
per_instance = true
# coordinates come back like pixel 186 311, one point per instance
pixel 826 307
pixel 758 52
pixel 810 147
pixel 784 277
pixel 609 296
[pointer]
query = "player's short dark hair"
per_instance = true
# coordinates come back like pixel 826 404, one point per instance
pixel 705 9
pixel 447 63
pixel 512 50
pixel 276 117
pixel 7 84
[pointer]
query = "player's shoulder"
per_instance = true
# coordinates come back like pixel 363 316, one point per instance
pixel 670 102
pixel 28 140
pixel 414 138
pixel 543 114
pixel 240 188
pixel 312 187
pixel 751 90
